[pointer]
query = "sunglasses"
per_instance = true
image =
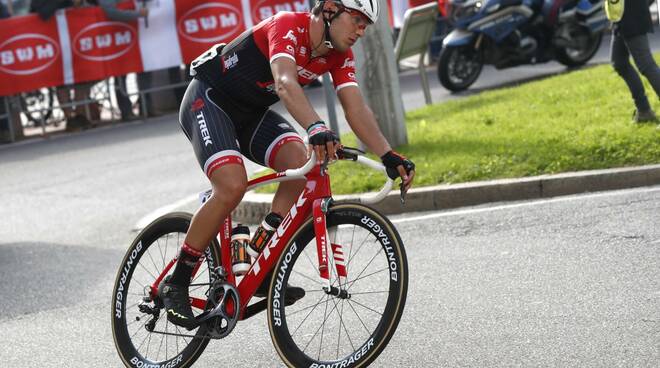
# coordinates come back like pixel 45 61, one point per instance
pixel 359 19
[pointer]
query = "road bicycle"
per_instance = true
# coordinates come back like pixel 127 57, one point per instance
pixel 348 258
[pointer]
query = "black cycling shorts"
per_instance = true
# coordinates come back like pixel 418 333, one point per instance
pixel 220 132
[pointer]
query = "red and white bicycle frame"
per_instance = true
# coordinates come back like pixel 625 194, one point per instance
pixel 313 201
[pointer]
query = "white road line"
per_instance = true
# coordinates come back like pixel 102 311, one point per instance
pixel 146 220
pixel 526 204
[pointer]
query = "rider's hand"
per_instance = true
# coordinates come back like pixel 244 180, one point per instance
pixel 399 166
pixel 323 140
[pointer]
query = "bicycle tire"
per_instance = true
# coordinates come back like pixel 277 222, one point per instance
pixel 129 334
pixel 357 222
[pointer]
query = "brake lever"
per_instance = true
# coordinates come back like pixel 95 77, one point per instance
pixel 324 165
pixel 403 193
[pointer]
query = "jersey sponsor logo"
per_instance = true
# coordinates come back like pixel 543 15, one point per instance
pixel 104 41
pixel 210 22
pixel 348 63
pixel 301 30
pixel 203 129
pixel 290 49
pixel 291 36
pixel 197 105
pixel 28 53
pixel 268 86
pixel 351 75
pixel 303 50
pixel 306 73
pixel 229 62
pixel 267 8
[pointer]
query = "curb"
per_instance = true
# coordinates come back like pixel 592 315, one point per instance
pixel 255 206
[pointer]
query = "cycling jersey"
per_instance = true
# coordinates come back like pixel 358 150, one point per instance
pixel 241 73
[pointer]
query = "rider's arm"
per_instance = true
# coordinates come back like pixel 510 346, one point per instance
pixel 362 121
pixel 291 93
pixel 364 125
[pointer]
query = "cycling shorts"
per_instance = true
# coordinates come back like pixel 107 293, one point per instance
pixel 220 132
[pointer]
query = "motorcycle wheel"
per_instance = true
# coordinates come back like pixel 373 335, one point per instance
pixel 585 50
pixel 459 67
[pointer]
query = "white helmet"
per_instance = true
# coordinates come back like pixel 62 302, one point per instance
pixel 370 8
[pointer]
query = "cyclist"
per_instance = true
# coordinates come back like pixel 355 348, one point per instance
pixel 225 114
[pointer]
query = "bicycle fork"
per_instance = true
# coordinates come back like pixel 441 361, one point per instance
pixel 323 238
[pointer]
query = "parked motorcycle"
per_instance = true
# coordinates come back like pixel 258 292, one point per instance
pixel 507 33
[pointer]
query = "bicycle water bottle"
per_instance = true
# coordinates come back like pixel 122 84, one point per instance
pixel 240 259
pixel 264 233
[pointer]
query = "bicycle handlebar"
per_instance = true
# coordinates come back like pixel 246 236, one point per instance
pixel 350 154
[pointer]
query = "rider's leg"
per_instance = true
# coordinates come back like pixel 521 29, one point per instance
pixel 228 184
pixel 292 155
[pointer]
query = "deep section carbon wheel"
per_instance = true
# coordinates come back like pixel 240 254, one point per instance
pixel 349 324
pixel 143 336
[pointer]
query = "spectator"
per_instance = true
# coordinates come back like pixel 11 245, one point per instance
pixel 112 12
pixel 46 8
pixel 5 10
pixel 629 39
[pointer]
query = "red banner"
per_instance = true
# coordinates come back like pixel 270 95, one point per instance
pixel 200 26
pixel 262 9
pixel 30 55
pixel 82 44
pixel 101 47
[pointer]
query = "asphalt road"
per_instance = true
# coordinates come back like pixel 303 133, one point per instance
pixel 568 282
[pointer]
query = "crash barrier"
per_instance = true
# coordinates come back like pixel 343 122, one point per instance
pixel 43 115
pixel 79 45
pixel 82 44
pixel 418 26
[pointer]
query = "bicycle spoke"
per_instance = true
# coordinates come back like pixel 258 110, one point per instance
pixel 306 307
pixel 145 339
pixel 370 292
pixel 144 268
pixel 167 240
pixel 368 264
pixel 325 318
pixel 148 343
pixel 352 282
pixel 160 250
pixel 310 261
pixel 341 324
pixel 152 260
pixel 132 305
pixel 308 278
pixel 308 314
pixel 359 249
pixel 358 316
pixel 318 329
pixel 365 307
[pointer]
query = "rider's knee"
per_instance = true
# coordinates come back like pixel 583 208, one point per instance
pixel 229 189
pixel 291 156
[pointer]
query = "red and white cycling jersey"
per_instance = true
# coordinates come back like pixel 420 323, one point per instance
pixel 241 71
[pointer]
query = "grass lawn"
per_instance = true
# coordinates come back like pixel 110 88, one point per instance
pixel 575 121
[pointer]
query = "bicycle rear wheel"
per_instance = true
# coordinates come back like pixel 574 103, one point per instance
pixel 351 330
pixel 150 252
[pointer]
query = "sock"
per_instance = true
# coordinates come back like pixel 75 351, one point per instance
pixel 185 265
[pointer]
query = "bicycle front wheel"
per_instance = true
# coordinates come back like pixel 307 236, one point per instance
pixel 350 326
